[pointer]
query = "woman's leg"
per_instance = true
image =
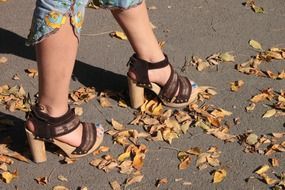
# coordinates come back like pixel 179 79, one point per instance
pixel 56 57
pixel 135 22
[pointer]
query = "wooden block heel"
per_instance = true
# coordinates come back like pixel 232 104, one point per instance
pixel 136 94
pixel 37 148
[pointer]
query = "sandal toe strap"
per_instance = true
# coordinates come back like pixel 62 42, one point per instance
pixel 89 136
pixel 185 89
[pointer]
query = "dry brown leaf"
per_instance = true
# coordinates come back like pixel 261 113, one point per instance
pixel 41 180
pixel 268 180
pixel 3 167
pixel 3 60
pixel 105 102
pixel 221 135
pixel 62 178
pixel 219 175
pixel 60 187
pixel 134 179
pixel 115 185
pixel 16 77
pixel 162 181
pixel 6 159
pixel 274 162
pixel 184 164
pixel 101 149
pixel 116 125
pixel 32 72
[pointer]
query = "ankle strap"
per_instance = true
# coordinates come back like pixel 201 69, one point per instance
pixel 48 127
pixel 141 67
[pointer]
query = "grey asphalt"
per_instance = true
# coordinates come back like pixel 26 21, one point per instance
pixel 189 28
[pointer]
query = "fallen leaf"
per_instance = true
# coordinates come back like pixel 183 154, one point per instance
pixel 252 139
pixel 105 102
pixel 16 77
pixel 269 113
pixel 235 86
pixel 219 175
pixel 7 177
pixel 118 126
pixel 101 149
pixel 59 187
pixel 134 179
pixel 250 107
pixel 62 178
pixel 78 111
pixel 257 9
pixel 255 44
pixel 32 72
pixel 162 181
pixel 274 162
pixel 3 60
pixel 227 57
pixel 184 164
pixel 262 169
pixel 119 35
pixel 268 180
pixel 115 185
pixel 122 103
pixel 41 180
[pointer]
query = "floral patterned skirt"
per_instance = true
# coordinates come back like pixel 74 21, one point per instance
pixel 50 15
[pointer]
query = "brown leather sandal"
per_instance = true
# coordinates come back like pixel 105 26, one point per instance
pixel 167 93
pixel 48 128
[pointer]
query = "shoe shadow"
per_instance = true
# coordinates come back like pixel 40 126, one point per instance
pixel 88 75
pixel 12 132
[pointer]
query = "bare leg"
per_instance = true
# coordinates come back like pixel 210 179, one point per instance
pixel 56 57
pixel 135 22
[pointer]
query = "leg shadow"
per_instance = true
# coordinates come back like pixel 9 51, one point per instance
pixel 88 75
pixel 12 132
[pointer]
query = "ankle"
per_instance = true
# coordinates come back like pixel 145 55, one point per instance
pixel 152 58
pixel 53 111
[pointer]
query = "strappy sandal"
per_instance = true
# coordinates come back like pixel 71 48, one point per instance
pixel 48 128
pixel 167 93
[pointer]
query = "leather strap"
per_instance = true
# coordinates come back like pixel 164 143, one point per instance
pixel 50 127
pixel 89 135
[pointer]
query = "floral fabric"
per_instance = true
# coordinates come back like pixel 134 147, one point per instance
pixel 50 15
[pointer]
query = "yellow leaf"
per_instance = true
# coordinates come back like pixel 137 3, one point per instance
pixel 262 169
pixel 235 86
pixel 119 35
pixel 255 44
pixel 227 57
pixel 269 113
pixel 122 103
pixel 274 162
pixel 78 111
pixel 124 156
pixel 219 175
pixel 268 180
pixel 257 9
pixel 7 177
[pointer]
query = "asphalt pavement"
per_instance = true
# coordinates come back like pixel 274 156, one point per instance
pixel 188 28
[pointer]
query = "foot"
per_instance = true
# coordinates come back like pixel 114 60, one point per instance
pixel 73 138
pixel 160 76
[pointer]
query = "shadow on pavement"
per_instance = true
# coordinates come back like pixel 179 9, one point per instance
pixel 88 75
pixel 12 132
